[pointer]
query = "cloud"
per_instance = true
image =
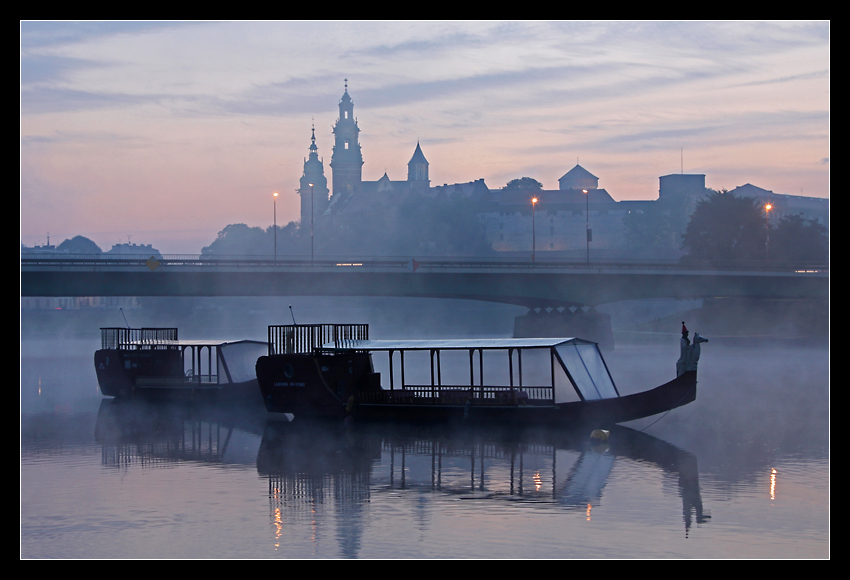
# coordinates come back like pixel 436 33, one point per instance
pixel 722 130
pixel 56 100
pixel 787 79
pixel 41 34
pixel 50 68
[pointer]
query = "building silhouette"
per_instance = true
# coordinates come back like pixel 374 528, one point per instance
pixel 504 217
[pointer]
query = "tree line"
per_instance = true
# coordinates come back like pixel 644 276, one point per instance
pixel 719 228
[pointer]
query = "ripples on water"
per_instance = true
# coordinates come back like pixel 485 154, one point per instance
pixel 741 473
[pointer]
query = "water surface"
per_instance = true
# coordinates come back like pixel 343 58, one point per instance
pixel 743 472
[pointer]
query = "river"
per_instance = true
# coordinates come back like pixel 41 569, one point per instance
pixel 742 472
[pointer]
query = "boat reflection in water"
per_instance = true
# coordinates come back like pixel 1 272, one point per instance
pixel 309 463
pixel 313 463
pixel 157 432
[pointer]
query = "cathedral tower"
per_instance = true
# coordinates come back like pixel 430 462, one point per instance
pixel 417 170
pixel 314 200
pixel 346 161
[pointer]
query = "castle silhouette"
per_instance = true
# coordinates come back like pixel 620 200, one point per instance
pixel 505 215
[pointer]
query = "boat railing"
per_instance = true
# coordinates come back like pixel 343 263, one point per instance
pixel 133 338
pixel 460 394
pixel 306 338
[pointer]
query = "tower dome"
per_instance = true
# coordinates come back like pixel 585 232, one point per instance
pixel 314 199
pixel 347 160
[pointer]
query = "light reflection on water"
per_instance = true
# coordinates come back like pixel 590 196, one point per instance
pixel 100 480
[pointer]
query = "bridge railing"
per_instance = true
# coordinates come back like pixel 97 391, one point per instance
pixel 35 260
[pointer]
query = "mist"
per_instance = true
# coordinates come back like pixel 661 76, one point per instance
pixel 762 408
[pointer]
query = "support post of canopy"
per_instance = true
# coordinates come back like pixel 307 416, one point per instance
pixel 432 372
pixel 402 369
pixel 511 366
pixel 471 372
pixel 481 371
pixel 519 361
pixel 552 367
pixel 391 371
pixel 439 371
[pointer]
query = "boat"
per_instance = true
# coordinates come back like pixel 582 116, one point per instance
pixel 152 363
pixel 329 371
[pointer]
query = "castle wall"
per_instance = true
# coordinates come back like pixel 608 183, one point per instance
pixel 556 230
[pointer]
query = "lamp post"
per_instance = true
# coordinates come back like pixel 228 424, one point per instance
pixel 587 221
pixel 275 226
pixel 767 209
pixel 311 222
pixel 533 231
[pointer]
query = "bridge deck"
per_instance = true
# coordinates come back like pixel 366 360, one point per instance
pixel 509 281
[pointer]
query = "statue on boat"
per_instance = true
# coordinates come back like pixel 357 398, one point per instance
pixel 689 353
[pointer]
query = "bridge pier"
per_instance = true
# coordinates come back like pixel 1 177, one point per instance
pixel 590 325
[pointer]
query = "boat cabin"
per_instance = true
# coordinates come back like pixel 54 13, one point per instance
pixel 509 371
pixel 517 370
pixel 155 358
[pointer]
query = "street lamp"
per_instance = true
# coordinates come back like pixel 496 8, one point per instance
pixel 275 226
pixel 587 221
pixel 533 232
pixel 311 222
pixel 767 209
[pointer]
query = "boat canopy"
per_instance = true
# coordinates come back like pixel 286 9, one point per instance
pixel 580 359
pixel 204 360
pixel 454 344
pixel 222 361
pixel 238 359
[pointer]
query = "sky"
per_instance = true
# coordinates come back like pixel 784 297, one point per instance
pixel 163 133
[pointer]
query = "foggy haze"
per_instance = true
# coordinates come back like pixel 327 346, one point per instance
pixel 167 132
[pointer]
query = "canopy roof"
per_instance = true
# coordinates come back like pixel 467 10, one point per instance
pixel 201 342
pixel 456 344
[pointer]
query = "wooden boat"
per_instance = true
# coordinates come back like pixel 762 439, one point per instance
pixel 153 363
pixel 328 371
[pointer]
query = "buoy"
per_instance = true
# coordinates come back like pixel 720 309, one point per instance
pixel 599 435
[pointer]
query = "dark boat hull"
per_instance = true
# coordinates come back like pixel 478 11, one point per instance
pixel 306 386
pixel 607 412
pixel 118 377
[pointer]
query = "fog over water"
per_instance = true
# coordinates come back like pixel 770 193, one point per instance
pixel 742 472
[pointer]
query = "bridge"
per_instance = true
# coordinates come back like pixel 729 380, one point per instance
pixel 542 283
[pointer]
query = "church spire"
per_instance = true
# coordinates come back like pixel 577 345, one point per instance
pixel 347 160
pixel 417 167
pixel 314 198
pixel 313 148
